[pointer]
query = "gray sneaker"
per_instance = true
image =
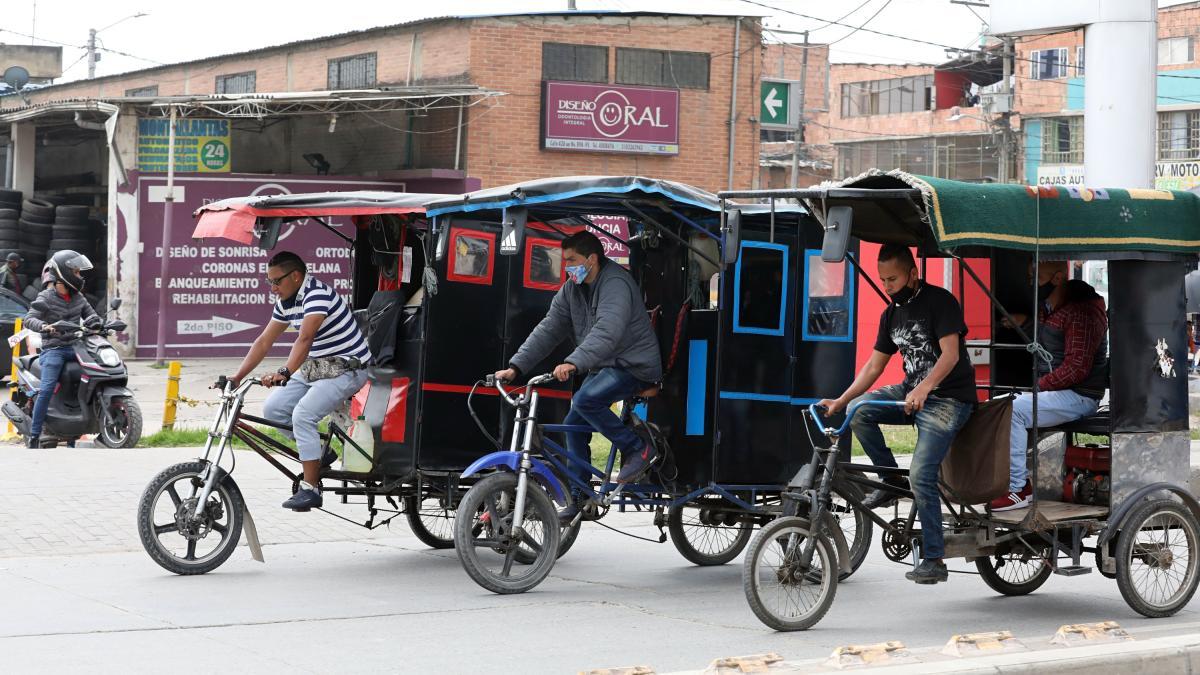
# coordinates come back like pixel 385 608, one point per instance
pixel 635 463
pixel 928 572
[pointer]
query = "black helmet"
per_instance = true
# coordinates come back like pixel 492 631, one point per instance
pixel 68 267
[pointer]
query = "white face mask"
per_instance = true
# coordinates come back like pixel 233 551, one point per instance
pixel 578 273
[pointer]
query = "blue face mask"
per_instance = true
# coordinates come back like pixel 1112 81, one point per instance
pixel 578 273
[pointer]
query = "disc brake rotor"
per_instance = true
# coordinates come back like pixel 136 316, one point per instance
pixel 193 528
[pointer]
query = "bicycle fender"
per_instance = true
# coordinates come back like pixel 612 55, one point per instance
pixel 248 527
pixel 512 461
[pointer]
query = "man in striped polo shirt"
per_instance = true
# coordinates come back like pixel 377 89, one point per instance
pixel 326 366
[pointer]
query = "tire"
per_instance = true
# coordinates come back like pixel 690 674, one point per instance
pixel 8 243
pixel 857 527
pixel 482 542
pixel 84 246
pixel 9 214
pixel 153 522
pixel 567 538
pixel 1013 573
pixel 36 219
pixel 1146 552
pixel 11 196
pixel 71 212
pixel 771 555
pixel 73 232
pixel 38 207
pixel 706 544
pixel 431 521
pixel 123 430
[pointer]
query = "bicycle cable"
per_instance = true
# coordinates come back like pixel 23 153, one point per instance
pixel 479 422
pixel 662 537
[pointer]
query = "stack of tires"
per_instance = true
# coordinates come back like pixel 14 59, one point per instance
pixel 37 222
pixel 10 228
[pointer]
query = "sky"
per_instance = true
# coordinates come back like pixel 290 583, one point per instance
pixel 174 32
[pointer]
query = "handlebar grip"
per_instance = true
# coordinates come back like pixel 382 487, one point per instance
pixel 489 380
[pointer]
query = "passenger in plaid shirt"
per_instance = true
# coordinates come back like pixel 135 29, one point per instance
pixel 1073 328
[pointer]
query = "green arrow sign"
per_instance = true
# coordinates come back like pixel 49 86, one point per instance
pixel 775 108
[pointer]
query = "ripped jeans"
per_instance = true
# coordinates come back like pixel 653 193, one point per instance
pixel 937 424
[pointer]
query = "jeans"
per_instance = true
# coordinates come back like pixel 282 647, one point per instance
pixel 52 361
pixel 591 405
pixel 303 405
pixel 1054 407
pixel 937 424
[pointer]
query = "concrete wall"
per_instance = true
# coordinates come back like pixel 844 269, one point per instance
pixel 43 63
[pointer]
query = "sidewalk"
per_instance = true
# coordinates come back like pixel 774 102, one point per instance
pixel 149 385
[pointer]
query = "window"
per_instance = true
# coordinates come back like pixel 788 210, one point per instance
pixel 352 72
pixel 577 63
pixel 967 157
pixel 1173 51
pixel 1062 140
pixel 887 97
pixel 237 83
pixel 543 264
pixel 143 91
pixel 1048 64
pixel 471 256
pixel 760 286
pixel 1179 135
pixel 828 299
pixel 1079 60
pixel 658 68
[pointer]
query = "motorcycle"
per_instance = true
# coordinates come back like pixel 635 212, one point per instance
pixel 92 395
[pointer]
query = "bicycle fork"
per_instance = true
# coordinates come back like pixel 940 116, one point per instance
pixel 228 416
pixel 526 463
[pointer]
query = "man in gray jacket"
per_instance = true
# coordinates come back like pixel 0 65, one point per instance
pixel 601 307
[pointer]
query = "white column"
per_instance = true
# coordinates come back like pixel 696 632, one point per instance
pixel 1120 106
pixel 24 137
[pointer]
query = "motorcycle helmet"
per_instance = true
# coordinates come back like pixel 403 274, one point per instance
pixel 68 267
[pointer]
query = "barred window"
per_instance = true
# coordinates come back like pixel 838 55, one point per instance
pixel 659 68
pixel 575 63
pixel 1179 135
pixel 1062 140
pixel 143 91
pixel 352 72
pixel 886 97
pixel 237 83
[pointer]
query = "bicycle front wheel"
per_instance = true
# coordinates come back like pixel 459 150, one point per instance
pixel 783 592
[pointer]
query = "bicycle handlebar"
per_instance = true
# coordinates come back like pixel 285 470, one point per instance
pixel 854 407
pixel 491 381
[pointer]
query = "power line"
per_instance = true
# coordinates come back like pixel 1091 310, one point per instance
pixel 864 24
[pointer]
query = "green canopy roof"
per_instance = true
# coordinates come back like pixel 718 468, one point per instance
pixel 1052 218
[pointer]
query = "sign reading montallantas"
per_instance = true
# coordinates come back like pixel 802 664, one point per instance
pixel 604 118
pixel 201 145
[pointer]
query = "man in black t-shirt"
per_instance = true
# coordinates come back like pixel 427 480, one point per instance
pixel 925 324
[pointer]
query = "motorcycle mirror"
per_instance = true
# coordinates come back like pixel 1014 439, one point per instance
pixel 118 326
pixel 115 303
pixel 267 230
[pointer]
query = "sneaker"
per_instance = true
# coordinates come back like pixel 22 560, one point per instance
pixel 567 515
pixel 304 500
pixel 33 442
pixel 928 572
pixel 635 464
pixel 881 498
pixel 1012 500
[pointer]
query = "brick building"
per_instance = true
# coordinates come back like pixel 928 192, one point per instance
pixel 437 105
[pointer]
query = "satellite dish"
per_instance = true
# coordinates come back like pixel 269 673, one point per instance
pixel 16 77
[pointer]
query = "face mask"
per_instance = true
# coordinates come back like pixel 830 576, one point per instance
pixel 578 273
pixel 903 295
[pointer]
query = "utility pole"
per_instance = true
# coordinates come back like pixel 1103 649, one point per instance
pixel 1006 137
pixel 800 115
pixel 92 56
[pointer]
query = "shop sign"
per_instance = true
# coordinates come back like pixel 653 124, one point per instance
pixel 619 227
pixel 1167 175
pixel 1066 175
pixel 201 145
pixel 218 297
pixel 604 118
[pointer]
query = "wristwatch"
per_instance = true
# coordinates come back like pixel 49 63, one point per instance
pixel 283 370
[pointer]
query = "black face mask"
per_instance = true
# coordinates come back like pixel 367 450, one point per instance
pixel 1044 291
pixel 903 295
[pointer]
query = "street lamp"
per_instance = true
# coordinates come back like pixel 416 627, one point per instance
pixel 92 55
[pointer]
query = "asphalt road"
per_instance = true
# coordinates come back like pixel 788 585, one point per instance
pixel 332 597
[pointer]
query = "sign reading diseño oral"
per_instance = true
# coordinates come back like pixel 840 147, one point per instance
pixel 604 118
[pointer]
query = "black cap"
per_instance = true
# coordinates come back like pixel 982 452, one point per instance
pixel 14 256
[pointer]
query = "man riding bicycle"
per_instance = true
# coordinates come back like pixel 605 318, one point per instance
pixel 62 301
pixel 602 308
pixel 925 324
pixel 326 366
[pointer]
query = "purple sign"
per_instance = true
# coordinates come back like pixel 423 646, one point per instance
pixel 218 298
pixel 604 118
pixel 615 225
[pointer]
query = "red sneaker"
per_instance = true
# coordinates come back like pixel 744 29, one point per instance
pixel 1012 500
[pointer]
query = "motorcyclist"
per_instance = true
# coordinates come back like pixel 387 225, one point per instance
pixel 62 301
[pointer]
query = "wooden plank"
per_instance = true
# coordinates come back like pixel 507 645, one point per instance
pixel 1054 512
